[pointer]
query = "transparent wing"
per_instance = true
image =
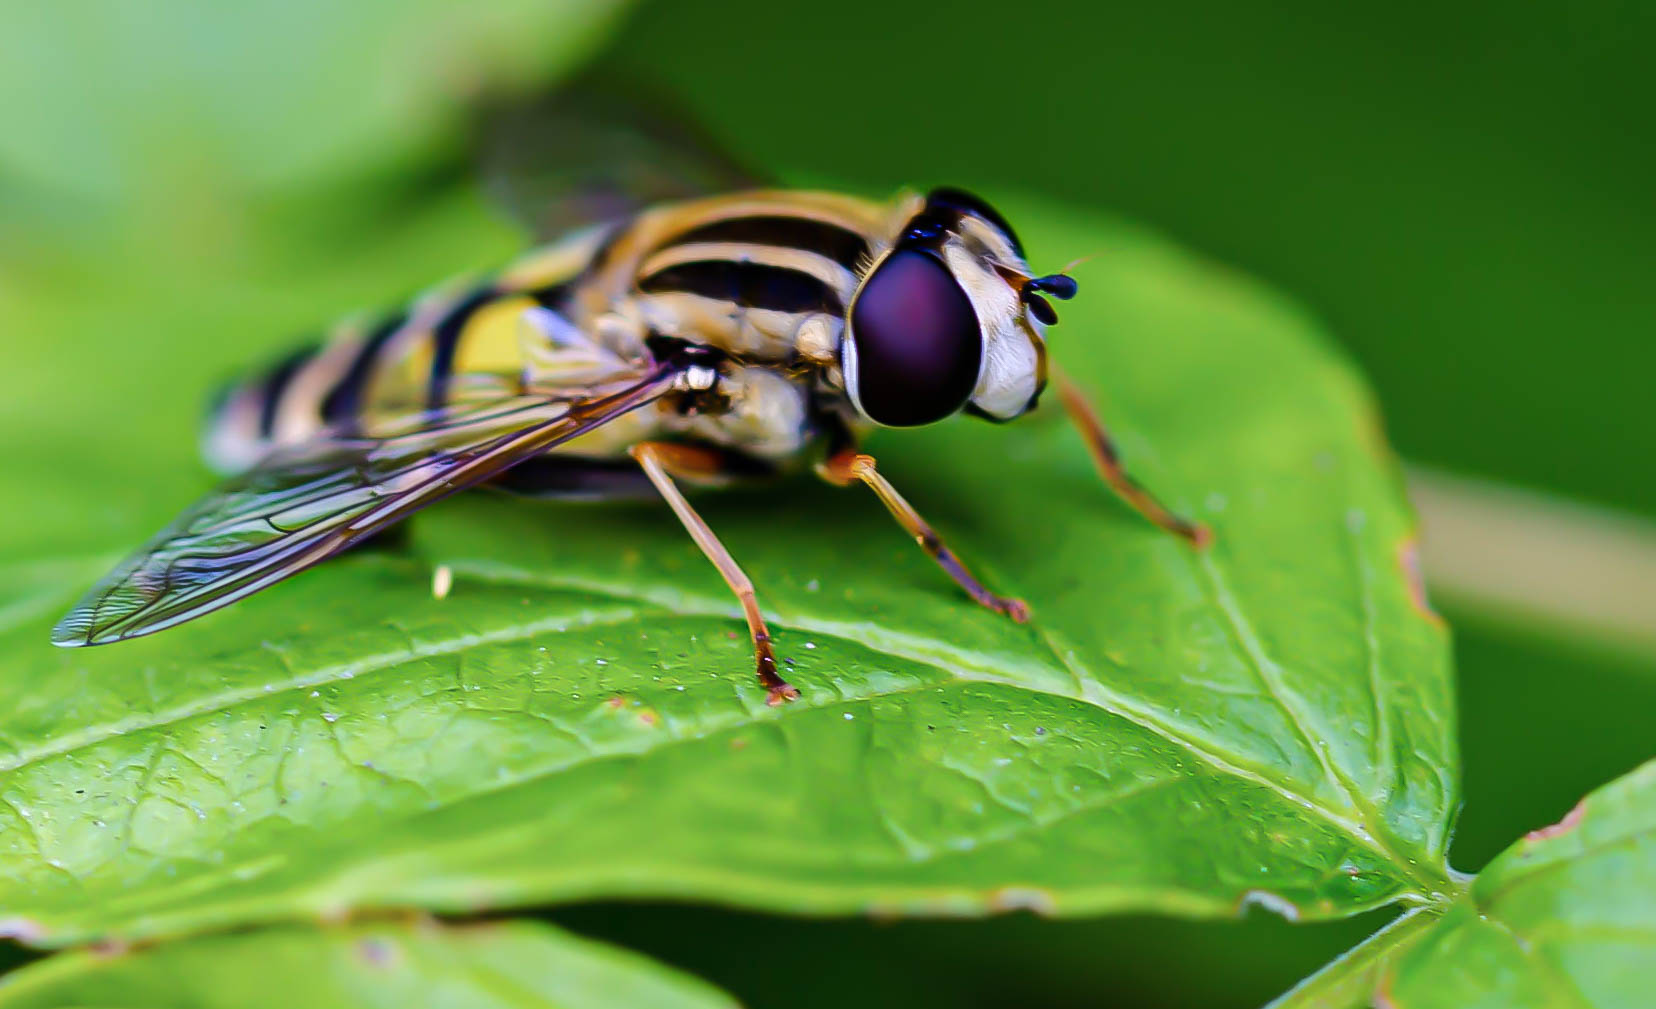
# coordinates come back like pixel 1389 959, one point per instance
pixel 304 504
pixel 595 151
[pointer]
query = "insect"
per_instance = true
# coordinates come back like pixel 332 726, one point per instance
pixel 706 340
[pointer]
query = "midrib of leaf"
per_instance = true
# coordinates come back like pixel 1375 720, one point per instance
pixel 1089 689
pixel 966 666
pixel 271 861
pixel 959 663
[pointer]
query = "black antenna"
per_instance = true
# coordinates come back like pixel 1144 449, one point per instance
pixel 1041 309
pixel 1060 286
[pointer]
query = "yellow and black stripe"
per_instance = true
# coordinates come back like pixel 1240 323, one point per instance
pixel 742 273
pixel 441 348
pixel 746 272
pixel 769 262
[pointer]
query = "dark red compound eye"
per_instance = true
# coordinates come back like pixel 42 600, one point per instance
pixel 916 342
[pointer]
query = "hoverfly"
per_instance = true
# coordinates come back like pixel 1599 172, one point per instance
pixel 706 340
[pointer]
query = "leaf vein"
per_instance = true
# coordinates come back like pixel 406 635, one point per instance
pixel 91 735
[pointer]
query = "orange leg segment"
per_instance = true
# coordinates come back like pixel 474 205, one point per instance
pixel 660 460
pixel 1108 462
pixel 844 468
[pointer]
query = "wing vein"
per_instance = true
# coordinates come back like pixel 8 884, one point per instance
pixel 307 502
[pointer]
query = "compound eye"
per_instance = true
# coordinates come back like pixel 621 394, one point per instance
pixel 914 349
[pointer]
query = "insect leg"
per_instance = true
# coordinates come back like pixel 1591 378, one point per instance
pixel 844 467
pixel 659 460
pixel 1108 461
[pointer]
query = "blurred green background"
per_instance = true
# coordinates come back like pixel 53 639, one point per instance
pixel 1461 190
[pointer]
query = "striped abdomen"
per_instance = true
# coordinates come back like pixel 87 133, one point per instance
pixel 443 347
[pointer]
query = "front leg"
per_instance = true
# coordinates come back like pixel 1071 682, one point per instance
pixel 1108 462
pixel 848 466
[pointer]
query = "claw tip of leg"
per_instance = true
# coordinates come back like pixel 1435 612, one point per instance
pixel 781 695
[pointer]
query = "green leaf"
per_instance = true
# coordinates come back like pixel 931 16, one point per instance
pixel 264 94
pixel 501 965
pixel 1351 979
pixel 1269 722
pixel 1564 919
